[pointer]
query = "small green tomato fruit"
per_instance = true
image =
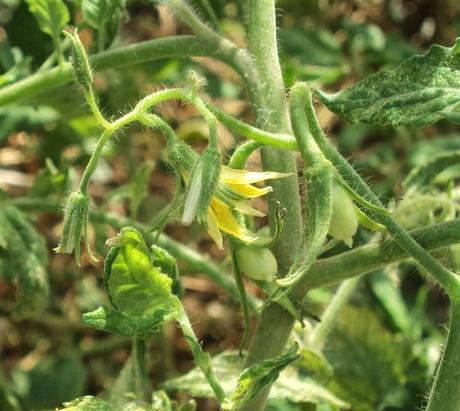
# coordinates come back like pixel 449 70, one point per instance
pixel 258 264
pixel 344 221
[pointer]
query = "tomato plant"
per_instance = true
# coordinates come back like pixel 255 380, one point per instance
pixel 81 104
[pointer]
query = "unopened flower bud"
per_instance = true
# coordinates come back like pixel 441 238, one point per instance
pixel 80 63
pixel 344 221
pixel 202 185
pixel 75 221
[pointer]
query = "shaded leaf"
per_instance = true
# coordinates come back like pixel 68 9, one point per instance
pixel 419 92
pixel 50 382
pixel 373 368
pixel 253 379
pixel 23 259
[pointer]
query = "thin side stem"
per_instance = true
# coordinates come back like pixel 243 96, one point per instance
pixel 138 358
pixel 329 317
pixel 94 160
pixel 202 359
pixel 90 98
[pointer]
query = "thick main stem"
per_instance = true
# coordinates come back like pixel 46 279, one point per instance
pixel 269 100
pixel 445 394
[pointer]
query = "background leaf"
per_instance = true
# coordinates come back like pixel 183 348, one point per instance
pixel 421 91
pixel 23 259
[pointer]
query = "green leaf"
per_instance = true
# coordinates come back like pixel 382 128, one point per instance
pixel 139 291
pixel 23 259
pixel 136 287
pixel 52 15
pixel 419 92
pixel 253 379
pixel 227 366
pixel 87 403
pixel 111 320
pixel 373 368
pixel 50 382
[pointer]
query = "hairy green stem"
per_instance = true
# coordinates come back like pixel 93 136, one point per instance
pixel 94 160
pixel 269 101
pixel 167 47
pixel 445 393
pixel 91 99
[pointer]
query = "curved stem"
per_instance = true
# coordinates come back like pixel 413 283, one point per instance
pixel 94 160
pixel 242 153
pixel 445 394
pixel 91 99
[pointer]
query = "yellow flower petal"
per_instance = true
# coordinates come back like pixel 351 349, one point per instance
pixel 227 221
pixel 213 229
pixel 245 208
pixel 250 191
pixel 234 176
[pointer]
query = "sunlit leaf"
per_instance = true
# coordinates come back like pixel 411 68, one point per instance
pixel 52 15
pixel 419 92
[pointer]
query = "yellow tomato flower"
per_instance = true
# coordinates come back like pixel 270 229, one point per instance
pixel 220 213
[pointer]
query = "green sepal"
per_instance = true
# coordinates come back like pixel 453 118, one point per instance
pixel 80 63
pixel 202 185
pixel 75 225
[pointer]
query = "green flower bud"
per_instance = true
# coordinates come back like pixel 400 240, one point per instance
pixel 202 185
pixel 75 222
pixel 80 63
pixel 258 264
pixel 344 221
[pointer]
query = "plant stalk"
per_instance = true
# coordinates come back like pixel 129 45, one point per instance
pixel 445 393
pixel 269 100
